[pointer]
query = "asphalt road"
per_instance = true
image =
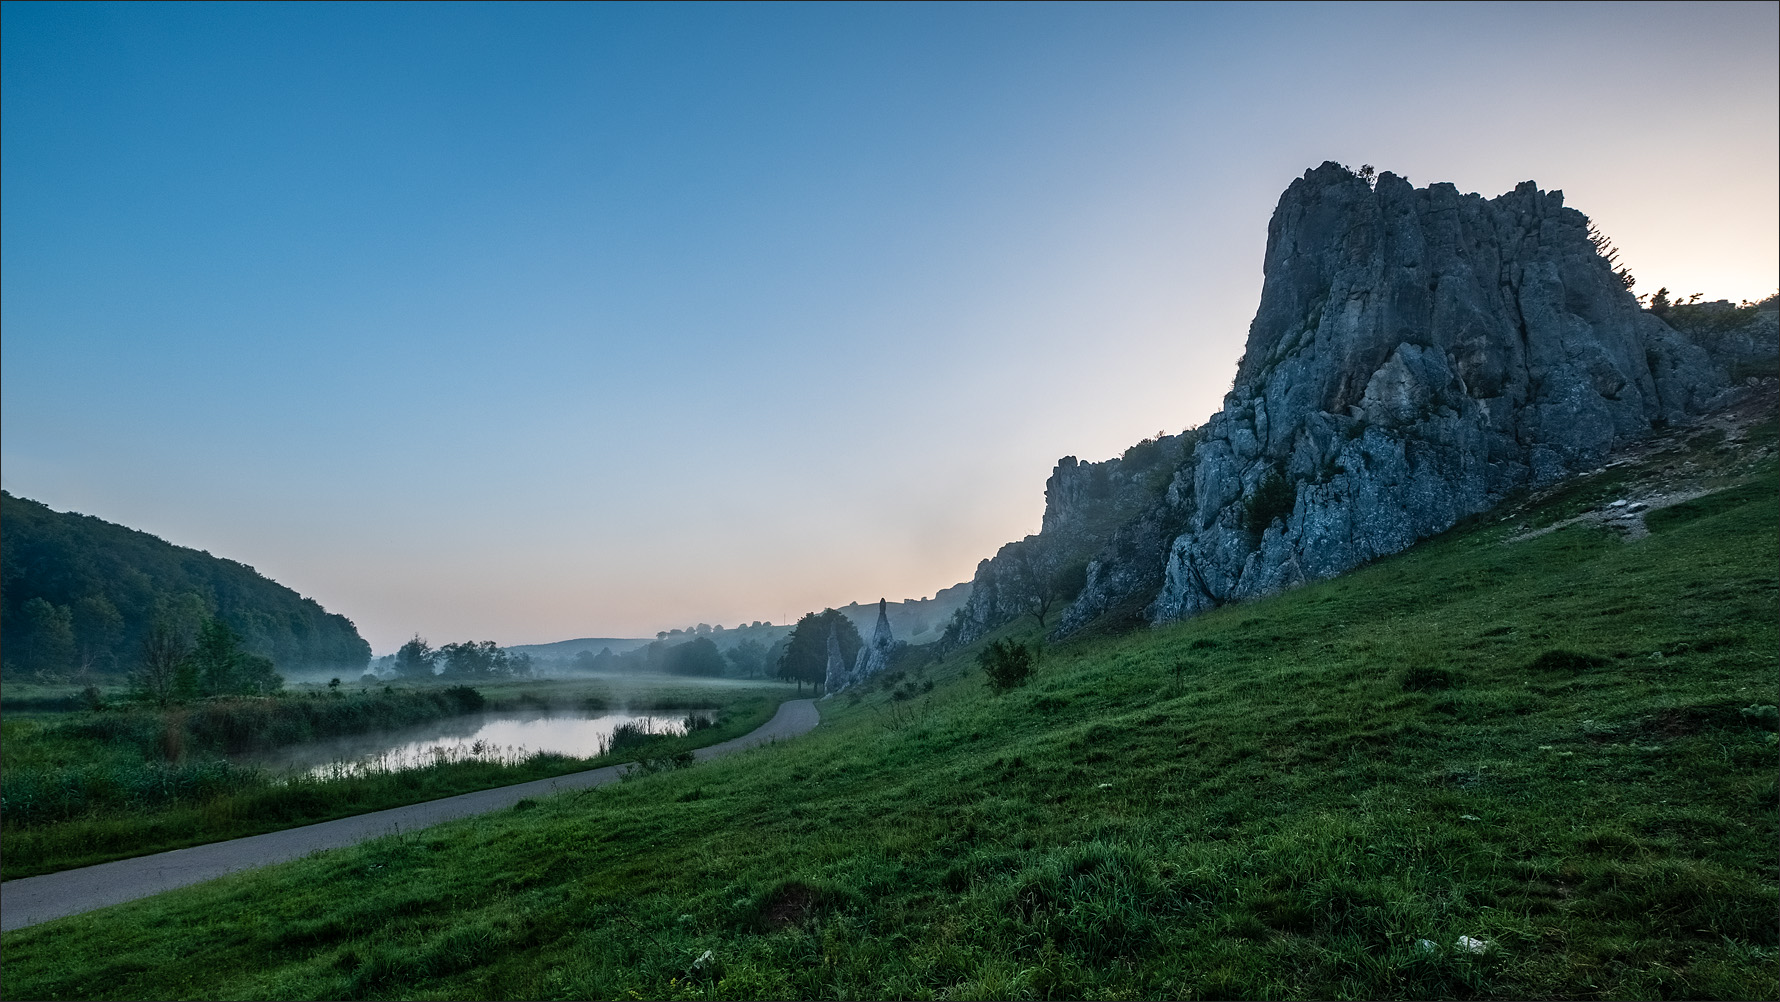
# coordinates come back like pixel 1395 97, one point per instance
pixel 31 900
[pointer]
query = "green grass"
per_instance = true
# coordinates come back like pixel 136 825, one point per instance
pixel 84 788
pixel 1278 799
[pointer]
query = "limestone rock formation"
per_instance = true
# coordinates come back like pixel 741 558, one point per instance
pixel 1418 353
pixel 835 677
pixel 874 657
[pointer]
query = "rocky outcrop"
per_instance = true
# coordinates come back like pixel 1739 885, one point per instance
pixel 874 657
pixel 1418 353
pixel 834 677
pixel 1744 341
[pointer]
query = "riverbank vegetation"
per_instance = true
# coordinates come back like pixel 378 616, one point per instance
pixel 80 785
pixel 1501 764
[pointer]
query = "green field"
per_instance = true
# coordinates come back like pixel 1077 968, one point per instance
pixel 1556 747
pixel 85 787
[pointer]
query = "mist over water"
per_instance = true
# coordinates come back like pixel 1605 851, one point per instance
pixel 505 737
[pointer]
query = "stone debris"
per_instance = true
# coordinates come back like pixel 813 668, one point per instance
pixel 1626 517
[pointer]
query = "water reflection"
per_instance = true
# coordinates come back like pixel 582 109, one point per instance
pixel 487 737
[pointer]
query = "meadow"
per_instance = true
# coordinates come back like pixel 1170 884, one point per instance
pixel 82 786
pixel 1495 765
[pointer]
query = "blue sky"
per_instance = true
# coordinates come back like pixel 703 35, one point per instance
pixel 532 322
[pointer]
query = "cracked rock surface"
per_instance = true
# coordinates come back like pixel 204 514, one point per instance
pixel 1418 354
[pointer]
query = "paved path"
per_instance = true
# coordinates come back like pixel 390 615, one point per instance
pixel 31 900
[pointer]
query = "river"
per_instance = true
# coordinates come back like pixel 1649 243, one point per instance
pixel 493 737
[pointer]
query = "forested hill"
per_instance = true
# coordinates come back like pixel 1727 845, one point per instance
pixel 79 592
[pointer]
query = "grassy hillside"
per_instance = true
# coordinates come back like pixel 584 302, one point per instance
pixel 80 593
pixel 1541 745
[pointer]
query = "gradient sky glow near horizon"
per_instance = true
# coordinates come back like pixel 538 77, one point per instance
pixel 527 323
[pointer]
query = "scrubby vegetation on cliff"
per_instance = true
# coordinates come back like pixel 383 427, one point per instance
pixel 1531 757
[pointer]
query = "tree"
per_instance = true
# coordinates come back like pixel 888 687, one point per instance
pixel 1059 586
pixel 1659 302
pixel 805 658
pixel 1610 255
pixel 49 636
pixel 157 676
pixel 97 627
pixel 415 659
pixel 473 659
pixel 220 667
pixel 749 658
pixel 258 676
pixel 695 657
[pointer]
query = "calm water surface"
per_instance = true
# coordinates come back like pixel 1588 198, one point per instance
pixel 488 737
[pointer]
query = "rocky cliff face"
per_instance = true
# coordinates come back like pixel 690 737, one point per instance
pixel 1418 354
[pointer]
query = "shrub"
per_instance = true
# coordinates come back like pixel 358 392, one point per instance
pixel 1422 678
pixel 1273 498
pixel 1565 661
pixel 1008 664
pixel 1765 716
pixel 466 697
pixel 627 735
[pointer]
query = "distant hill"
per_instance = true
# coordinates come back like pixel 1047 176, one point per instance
pixel 77 592
pixel 916 620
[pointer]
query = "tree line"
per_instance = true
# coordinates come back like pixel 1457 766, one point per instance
pixel 673 655
pixel 79 596
pixel 417 659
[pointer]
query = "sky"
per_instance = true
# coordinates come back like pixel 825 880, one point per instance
pixel 527 323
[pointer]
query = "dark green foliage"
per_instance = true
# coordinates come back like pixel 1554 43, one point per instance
pixel 80 593
pixel 1422 678
pixel 1708 319
pixel 1765 716
pixel 1273 498
pixel 1069 580
pixel 749 658
pixel 684 652
pixel 1565 661
pixel 1007 663
pixel 627 737
pixel 44 632
pixel 472 659
pixel 805 656
pixel 698 656
pixel 217 666
pixel 467 698
pixel 415 659
pixel 1146 453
